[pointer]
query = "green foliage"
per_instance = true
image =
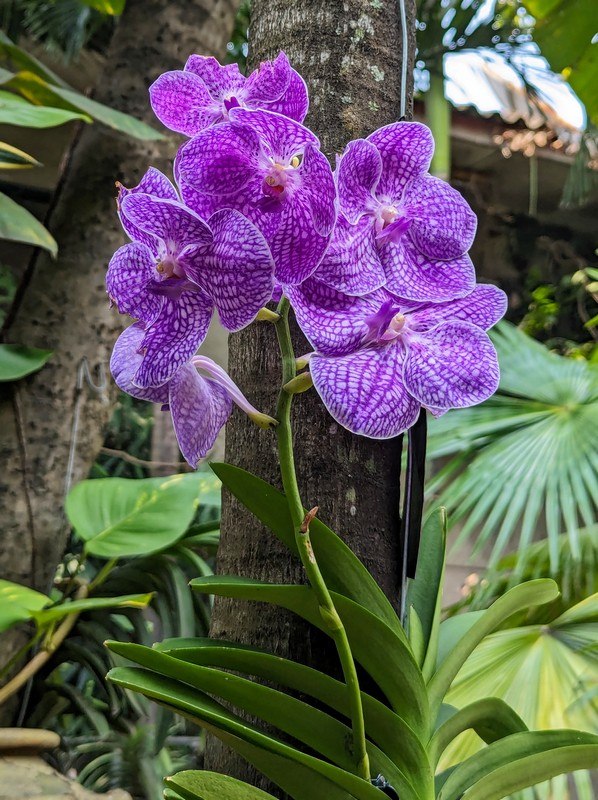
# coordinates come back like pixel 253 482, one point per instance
pixel 19 225
pixel 528 452
pixel 17 361
pixel 208 682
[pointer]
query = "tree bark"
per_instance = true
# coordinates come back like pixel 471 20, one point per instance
pixel 349 53
pixel 64 305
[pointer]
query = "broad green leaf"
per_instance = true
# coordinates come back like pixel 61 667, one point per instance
pixel 532 593
pixel 490 718
pixel 46 615
pixel 452 630
pixel 16 361
pixel 18 603
pixel 319 731
pixel 15 110
pixel 120 517
pixel 19 225
pixel 383 726
pixel 24 60
pixel 377 648
pixel 13 158
pixel 216 719
pixel 545 748
pixel 342 570
pixel 195 785
pixel 424 593
pixel 112 7
pixel 39 91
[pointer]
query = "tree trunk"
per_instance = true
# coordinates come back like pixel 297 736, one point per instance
pixel 349 53
pixel 64 305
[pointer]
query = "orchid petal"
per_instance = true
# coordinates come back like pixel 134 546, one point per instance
pixel 131 268
pixel 443 224
pixel 218 79
pixel 352 263
pixel 411 275
pixel 406 150
pixel 220 160
pixel 451 366
pixel 284 137
pixel 294 103
pixel 236 271
pixel 173 337
pixel 153 182
pixel 317 183
pixel 268 82
pixel 199 408
pixel 364 391
pixel 169 221
pixel 296 246
pixel 358 173
pixel 125 362
pixel 182 102
pixel 484 307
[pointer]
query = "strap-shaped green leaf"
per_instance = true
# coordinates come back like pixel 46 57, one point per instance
pixel 17 361
pixel 204 785
pixel 550 749
pixel 18 603
pixel 47 615
pixel 342 570
pixel 215 718
pixel 425 591
pixel 386 657
pixel 392 735
pixel 13 158
pixel 316 729
pixel 532 593
pixel 19 225
pixel 491 718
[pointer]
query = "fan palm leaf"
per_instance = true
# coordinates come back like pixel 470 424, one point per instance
pixel 527 456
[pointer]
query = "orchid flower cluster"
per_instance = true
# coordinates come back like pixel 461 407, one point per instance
pixel 372 258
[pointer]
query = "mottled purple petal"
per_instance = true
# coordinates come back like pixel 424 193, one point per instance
pixel 451 366
pixel 172 222
pixel 131 268
pixel 411 275
pixel 317 183
pixel 199 408
pixel 334 323
pixel 236 271
pixel 358 173
pixel 294 103
pixel 181 101
pixel 364 391
pixel 443 224
pixel 125 362
pixel 219 80
pixel 484 307
pixel 285 138
pixel 268 82
pixel 220 160
pixel 173 337
pixel 406 150
pixel 352 263
pixel 296 246
pixel 153 182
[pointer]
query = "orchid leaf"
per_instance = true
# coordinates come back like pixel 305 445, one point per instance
pixel 19 225
pixel 532 593
pixel 13 158
pixel 314 728
pixel 17 361
pixel 383 726
pixel 56 612
pixel 262 750
pixel 551 753
pixel 204 785
pixel 342 570
pixel 26 61
pixel 377 648
pixel 120 517
pixel 15 110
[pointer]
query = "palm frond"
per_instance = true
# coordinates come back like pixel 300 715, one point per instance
pixel 525 458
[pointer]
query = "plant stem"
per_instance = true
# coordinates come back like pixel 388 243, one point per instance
pixel 301 522
pixel 48 650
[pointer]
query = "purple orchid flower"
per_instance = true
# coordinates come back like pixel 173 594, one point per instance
pixel 402 228
pixel 178 269
pixel 204 92
pixel 199 404
pixel 269 168
pixel 379 358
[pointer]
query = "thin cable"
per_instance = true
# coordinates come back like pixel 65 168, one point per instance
pixel 405 59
